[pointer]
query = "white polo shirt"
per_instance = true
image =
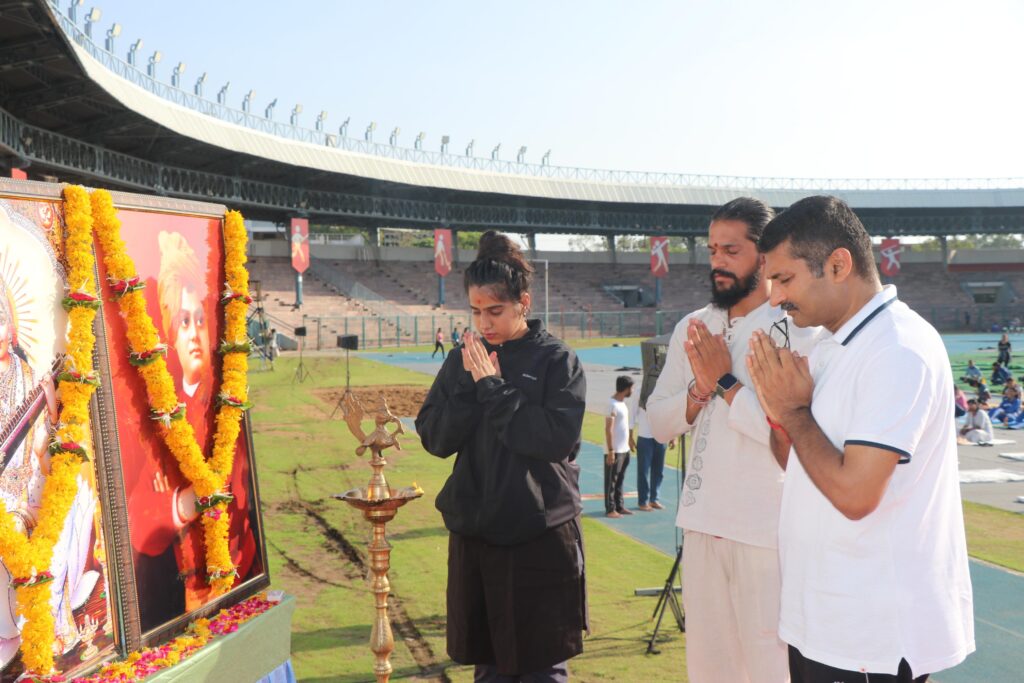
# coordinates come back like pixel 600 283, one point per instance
pixel 733 485
pixel 861 595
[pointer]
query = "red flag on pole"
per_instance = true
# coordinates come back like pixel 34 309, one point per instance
pixel 659 256
pixel 890 253
pixel 300 244
pixel 443 251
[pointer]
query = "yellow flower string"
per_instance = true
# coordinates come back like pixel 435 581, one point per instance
pixel 28 559
pixel 208 477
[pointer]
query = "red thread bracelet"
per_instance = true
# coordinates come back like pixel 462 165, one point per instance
pixel 777 427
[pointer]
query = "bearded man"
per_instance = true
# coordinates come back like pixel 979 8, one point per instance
pixel 729 508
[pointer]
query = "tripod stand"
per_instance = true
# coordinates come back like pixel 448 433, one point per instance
pixel 348 389
pixel 301 372
pixel 259 314
pixel 668 598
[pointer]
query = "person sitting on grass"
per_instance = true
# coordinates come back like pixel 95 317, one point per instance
pixel 1011 383
pixel 999 374
pixel 978 427
pixel 983 394
pixel 960 399
pixel 972 375
pixel 1008 410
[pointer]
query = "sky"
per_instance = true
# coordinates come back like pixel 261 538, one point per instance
pixel 818 89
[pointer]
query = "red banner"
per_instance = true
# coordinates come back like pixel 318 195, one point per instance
pixel 659 256
pixel 300 244
pixel 890 253
pixel 443 251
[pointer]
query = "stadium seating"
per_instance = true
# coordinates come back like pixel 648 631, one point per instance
pixel 403 296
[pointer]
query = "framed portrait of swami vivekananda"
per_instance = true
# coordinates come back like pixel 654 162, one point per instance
pixel 178 251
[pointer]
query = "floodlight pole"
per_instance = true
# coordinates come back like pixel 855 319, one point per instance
pixel 546 300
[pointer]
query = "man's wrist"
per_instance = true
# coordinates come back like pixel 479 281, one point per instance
pixel 791 419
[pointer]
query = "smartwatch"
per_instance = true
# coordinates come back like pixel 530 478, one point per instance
pixel 725 383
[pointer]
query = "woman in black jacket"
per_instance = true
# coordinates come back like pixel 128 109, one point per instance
pixel 509 402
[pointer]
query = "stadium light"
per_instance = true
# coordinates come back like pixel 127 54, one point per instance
pixel 176 74
pixel 296 110
pixel 198 89
pixel 269 111
pixel 113 32
pixel 321 117
pixel 154 59
pixel 133 51
pixel 393 138
pixel 73 9
pixel 521 155
pixel 247 100
pixel 546 159
pixel 222 96
pixel 91 18
pixel 368 136
pixel 469 148
pixel 343 128
pixel 419 140
pixel 444 143
pixel 495 152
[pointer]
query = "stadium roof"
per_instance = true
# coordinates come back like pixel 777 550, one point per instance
pixel 65 98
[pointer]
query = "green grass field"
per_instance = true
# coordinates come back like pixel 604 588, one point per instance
pixel 317 545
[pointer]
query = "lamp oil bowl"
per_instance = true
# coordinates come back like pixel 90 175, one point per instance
pixel 379 504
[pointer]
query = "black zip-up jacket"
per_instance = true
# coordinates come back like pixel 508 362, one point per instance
pixel 517 437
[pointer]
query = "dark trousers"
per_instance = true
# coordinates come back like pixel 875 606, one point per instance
pixel 485 673
pixel 613 477
pixel 520 609
pixel 803 670
pixel 650 469
pixel 438 346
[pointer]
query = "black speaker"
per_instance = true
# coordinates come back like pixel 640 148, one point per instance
pixel 348 341
pixel 300 331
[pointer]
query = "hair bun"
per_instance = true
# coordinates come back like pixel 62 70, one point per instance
pixel 499 260
pixel 494 246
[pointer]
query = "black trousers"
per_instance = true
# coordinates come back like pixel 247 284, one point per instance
pixel 614 475
pixel 803 670
pixel 519 609
pixel 438 346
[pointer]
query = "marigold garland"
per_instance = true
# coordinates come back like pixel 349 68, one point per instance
pixel 28 559
pixel 208 477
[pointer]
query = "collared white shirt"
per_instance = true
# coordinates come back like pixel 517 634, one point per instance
pixel 733 485
pixel 861 595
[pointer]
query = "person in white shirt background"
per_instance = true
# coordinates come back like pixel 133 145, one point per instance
pixel 729 504
pixel 977 424
pixel 875 581
pixel 650 461
pixel 619 442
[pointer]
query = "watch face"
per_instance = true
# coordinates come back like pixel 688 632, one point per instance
pixel 726 382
